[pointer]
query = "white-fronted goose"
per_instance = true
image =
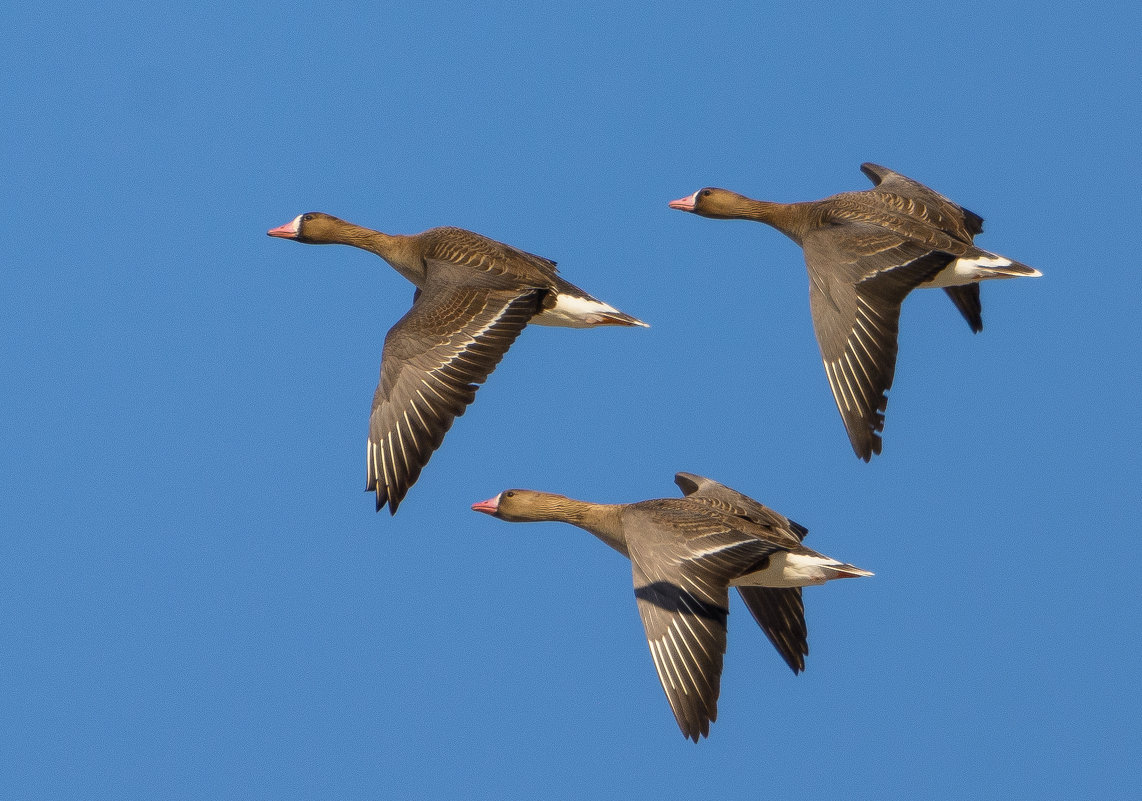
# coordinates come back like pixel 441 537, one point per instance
pixel 686 553
pixel 473 297
pixel 865 252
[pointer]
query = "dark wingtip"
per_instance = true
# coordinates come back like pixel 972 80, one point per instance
pixel 873 171
pixel 384 497
pixel 696 733
pixel 794 658
pixel 799 530
pixel 383 500
pixel 687 482
pixel 394 502
pixel 866 452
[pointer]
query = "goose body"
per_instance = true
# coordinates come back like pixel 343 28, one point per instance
pixel 865 251
pixel 685 555
pixel 473 297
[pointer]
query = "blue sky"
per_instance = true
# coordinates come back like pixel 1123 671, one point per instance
pixel 197 598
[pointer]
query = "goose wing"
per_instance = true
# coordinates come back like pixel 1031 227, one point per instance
pixel 779 611
pixel 433 359
pixel 725 499
pixel 928 205
pixel 859 274
pixel 683 558
pixel 935 209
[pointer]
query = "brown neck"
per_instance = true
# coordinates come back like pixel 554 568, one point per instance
pixel 602 520
pixel 790 219
pixel 384 245
pixel 398 250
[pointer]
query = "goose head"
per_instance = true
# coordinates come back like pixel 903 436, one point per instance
pixel 312 228
pixel 721 204
pixel 525 506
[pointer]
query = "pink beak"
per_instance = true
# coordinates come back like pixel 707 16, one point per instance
pixel 488 507
pixel 684 204
pixel 287 231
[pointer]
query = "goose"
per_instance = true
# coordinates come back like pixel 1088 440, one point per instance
pixel 473 297
pixel 865 252
pixel 685 554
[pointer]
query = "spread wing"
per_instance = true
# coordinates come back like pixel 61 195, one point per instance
pixel 730 501
pixel 433 359
pixel 859 274
pixel 930 205
pixel 937 210
pixel 683 560
pixel 778 610
pixel 781 614
pixel 966 298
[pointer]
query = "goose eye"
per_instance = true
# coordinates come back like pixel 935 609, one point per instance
pixel 306 217
pixel 509 494
pixel 704 193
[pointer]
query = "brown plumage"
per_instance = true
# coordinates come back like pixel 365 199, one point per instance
pixel 473 298
pixel 865 251
pixel 685 555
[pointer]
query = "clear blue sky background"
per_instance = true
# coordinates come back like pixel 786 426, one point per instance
pixel 196 597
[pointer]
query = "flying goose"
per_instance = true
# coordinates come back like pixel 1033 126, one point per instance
pixel 865 252
pixel 473 298
pixel 686 553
